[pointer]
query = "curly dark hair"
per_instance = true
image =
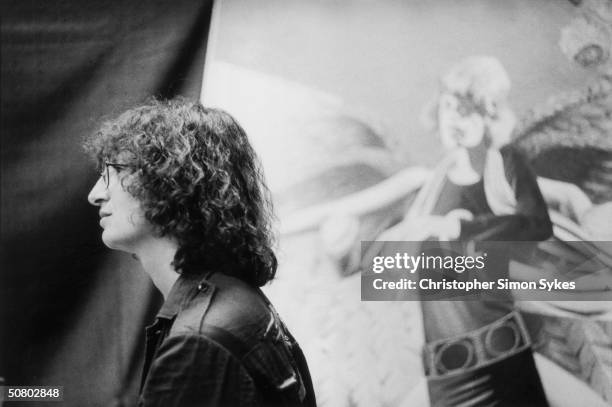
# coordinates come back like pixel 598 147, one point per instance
pixel 199 181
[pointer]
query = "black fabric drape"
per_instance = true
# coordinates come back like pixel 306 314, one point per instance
pixel 72 313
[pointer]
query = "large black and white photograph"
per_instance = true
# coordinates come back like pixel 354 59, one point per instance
pixel 333 203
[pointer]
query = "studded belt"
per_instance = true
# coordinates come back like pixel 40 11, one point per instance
pixel 491 343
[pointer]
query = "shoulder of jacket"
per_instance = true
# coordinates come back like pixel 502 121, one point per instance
pixel 227 303
pixel 238 318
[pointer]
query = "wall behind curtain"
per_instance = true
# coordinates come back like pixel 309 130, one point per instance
pixel 72 312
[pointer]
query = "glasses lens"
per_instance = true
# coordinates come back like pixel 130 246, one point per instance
pixel 105 175
pixel 106 172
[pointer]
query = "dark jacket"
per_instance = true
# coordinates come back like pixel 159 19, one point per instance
pixel 219 342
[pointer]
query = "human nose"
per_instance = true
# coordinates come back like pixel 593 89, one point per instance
pixel 98 193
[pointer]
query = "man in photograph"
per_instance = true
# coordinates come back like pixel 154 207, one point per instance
pixel 181 189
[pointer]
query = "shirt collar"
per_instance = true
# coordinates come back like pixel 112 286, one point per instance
pixel 183 290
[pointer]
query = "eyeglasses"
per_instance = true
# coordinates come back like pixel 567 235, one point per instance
pixel 105 174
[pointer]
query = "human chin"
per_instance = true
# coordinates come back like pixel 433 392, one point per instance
pixel 447 138
pixel 125 234
pixel 472 135
pixel 114 240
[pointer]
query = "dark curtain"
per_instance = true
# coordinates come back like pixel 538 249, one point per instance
pixel 72 312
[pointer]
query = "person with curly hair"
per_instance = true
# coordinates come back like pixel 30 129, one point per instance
pixel 181 189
